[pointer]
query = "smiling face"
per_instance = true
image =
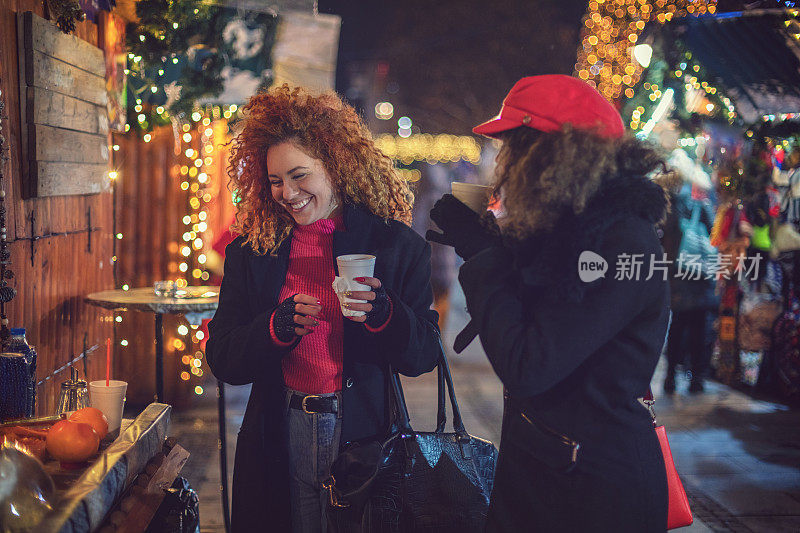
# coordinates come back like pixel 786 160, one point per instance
pixel 300 184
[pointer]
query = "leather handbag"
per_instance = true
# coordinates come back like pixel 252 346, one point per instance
pixel 679 514
pixel 413 481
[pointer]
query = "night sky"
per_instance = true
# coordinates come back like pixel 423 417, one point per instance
pixel 450 63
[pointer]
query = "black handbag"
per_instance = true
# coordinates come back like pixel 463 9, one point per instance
pixel 413 481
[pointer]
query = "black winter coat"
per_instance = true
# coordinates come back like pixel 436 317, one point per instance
pixel 575 357
pixel 240 351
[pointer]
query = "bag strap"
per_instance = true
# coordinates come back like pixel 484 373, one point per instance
pixel 445 378
pixel 650 402
pixel 398 404
pixel 441 412
pixel 445 381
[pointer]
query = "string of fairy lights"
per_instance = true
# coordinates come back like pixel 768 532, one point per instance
pixel 610 31
pixel 702 96
pixel 196 171
pixel 431 148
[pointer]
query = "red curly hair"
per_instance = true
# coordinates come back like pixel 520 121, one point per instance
pixel 325 128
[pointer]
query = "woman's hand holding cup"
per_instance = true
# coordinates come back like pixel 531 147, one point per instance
pixel 369 296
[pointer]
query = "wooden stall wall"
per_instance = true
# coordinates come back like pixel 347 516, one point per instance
pixel 150 206
pixel 61 247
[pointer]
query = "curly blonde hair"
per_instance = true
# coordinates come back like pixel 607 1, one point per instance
pixel 541 177
pixel 325 128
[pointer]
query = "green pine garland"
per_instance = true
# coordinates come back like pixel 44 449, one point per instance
pixel 176 57
pixel 66 12
pixel 158 54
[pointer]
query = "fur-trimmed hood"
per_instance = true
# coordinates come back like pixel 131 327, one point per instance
pixel 547 259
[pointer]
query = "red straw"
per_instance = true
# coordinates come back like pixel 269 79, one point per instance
pixel 108 360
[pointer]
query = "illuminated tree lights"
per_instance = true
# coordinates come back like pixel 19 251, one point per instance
pixel 611 29
pixel 696 96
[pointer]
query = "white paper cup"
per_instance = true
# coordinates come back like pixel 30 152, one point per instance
pixel 356 266
pixel 476 197
pixel 110 400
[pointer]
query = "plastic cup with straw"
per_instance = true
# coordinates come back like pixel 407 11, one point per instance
pixel 109 395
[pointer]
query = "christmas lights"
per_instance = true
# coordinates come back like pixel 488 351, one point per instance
pixel 611 29
pixel 430 148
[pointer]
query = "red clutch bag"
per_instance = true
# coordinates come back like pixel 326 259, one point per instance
pixel 679 514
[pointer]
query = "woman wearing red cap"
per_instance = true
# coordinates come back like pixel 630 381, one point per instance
pixel 570 324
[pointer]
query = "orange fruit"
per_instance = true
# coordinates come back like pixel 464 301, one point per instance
pixel 94 417
pixel 72 442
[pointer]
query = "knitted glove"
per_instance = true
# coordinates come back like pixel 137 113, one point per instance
pixel 381 309
pixel 283 323
pixel 463 228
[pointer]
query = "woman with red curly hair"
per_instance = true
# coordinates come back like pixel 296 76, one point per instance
pixel 312 186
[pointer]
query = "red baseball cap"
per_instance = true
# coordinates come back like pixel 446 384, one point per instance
pixel 547 102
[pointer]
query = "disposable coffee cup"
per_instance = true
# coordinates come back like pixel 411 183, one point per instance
pixel 351 267
pixel 356 266
pixel 110 400
pixel 476 197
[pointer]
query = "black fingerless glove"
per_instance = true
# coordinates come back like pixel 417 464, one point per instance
pixel 283 323
pixel 462 228
pixel 381 309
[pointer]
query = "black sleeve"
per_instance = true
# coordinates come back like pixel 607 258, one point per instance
pixel 239 342
pixel 410 341
pixel 534 345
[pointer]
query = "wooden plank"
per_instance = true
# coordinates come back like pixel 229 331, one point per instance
pixel 25 181
pixel 62 179
pixel 62 111
pixel 45 37
pixel 55 75
pixel 57 144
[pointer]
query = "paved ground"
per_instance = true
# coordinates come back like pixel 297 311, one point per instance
pixel 739 458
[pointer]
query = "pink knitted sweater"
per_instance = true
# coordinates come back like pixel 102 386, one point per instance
pixel 314 366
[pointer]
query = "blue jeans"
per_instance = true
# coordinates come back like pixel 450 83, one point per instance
pixel 313 443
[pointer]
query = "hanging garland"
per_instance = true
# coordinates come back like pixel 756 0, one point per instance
pixel 6 293
pixel 674 67
pixel 178 51
pixel 66 13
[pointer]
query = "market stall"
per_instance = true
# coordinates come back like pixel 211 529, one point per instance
pixel 119 487
pixel 721 94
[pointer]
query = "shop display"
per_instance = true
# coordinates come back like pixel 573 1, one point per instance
pixel 30 438
pixel 18 343
pixel 72 442
pixel 27 492
pixel 94 417
pixel 785 349
pixel 74 475
pixel 73 395
pixel 750 363
pixel 13 386
pixel 757 315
